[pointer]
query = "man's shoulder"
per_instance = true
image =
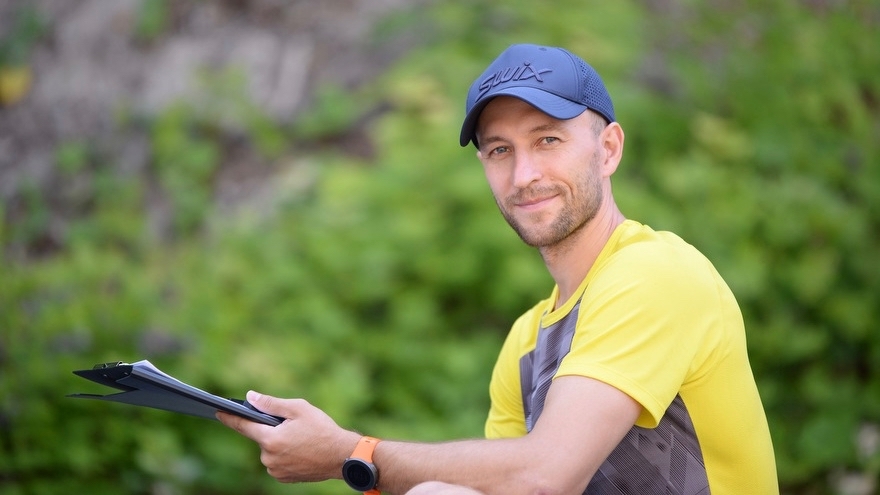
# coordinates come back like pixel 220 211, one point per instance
pixel 635 234
pixel 643 260
pixel 641 248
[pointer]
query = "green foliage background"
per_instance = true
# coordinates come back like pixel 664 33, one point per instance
pixel 380 288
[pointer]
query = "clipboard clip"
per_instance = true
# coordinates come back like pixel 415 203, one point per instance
pixel 103 366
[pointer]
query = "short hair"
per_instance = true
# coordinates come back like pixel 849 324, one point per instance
pixel 597 123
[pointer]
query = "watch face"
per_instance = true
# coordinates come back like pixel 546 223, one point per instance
pixel 359 474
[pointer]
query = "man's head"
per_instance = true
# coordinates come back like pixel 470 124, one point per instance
pixel 550 177
pixel 550 79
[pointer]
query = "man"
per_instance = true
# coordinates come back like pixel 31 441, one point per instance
pixel 630 378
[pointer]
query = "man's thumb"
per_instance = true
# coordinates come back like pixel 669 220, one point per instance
pixel 262 402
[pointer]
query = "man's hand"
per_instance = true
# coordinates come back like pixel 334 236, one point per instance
pixel 307 446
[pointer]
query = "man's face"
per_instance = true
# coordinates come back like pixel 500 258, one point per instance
pixel 544 173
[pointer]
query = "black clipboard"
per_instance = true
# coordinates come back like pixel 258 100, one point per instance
pixel 143 384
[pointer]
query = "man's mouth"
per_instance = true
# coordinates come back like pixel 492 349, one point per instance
pixel 533 202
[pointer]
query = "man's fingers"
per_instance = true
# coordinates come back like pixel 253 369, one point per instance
pixel 285 408
pixel 246 427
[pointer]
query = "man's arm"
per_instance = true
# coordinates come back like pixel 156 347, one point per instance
pixel 582 421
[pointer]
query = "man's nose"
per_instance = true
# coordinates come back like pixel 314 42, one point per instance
pixel 526 170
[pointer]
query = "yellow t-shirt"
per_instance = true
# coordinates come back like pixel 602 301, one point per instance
pixel 654 319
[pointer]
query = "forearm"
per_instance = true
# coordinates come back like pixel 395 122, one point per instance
pixel 491 466
pixel 583 420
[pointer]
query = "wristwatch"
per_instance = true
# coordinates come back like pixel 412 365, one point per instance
pixel 359 471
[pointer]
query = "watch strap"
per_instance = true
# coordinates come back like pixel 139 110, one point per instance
pixel 364 450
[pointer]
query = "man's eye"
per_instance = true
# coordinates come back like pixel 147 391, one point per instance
pixel 500 150
pixel 550 140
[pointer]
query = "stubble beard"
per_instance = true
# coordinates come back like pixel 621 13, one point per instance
pixel 577 211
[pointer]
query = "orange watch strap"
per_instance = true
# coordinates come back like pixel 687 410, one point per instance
pixel 365 448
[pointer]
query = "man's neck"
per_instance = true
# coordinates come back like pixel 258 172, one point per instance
pixel 570 261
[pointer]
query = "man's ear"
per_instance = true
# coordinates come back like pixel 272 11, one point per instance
pixel 612 139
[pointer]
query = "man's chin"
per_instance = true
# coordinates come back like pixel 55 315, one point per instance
pixel 537 237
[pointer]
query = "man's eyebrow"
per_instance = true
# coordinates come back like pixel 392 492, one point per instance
pixel 549 126
pixel 488 139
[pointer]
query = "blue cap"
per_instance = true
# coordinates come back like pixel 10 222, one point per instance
pixel 551 79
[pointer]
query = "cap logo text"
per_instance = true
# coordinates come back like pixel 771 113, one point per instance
pixel 521 73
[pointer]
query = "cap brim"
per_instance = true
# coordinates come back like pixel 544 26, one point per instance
pixel 554 106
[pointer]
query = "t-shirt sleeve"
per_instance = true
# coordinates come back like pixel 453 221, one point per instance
pixel 644 325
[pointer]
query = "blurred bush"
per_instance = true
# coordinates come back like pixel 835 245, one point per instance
pixel 380 288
